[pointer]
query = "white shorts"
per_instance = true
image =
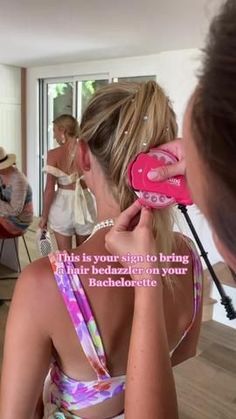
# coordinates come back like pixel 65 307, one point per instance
pixel 62 215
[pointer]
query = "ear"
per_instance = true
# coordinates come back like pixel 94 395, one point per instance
pixel 83 156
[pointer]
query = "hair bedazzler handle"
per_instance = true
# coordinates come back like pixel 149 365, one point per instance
pixel 225 299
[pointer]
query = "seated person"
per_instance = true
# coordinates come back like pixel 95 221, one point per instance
pixel 16 209
pixel 86 329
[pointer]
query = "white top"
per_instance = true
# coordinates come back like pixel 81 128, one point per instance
pixel 62 177
pixel 85 205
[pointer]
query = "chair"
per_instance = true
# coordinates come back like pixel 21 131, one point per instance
pixel 2 300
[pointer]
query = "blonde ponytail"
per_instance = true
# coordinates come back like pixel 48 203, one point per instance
pixel 122 120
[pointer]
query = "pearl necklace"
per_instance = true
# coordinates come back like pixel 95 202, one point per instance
pixel 103 224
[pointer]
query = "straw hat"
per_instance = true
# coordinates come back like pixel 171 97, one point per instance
pixel 6 160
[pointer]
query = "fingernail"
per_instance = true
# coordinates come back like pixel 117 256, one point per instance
pixel 152 175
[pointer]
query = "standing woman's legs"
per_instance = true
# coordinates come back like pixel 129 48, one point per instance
pixel 82 232
pixel 60 219
pixel 80 239
pixel 63 242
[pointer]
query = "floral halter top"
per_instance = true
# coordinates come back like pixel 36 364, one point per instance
pixel 65 394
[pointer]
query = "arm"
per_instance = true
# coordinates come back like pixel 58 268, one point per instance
pixel 150 390
pixel 19 189
pixel 27 349
pixel 49 192
pixel 188 347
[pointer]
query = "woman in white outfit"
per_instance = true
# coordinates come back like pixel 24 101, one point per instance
pixel 69 210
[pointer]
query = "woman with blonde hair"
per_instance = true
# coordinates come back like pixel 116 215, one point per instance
pixel 68 211
pixel 79 313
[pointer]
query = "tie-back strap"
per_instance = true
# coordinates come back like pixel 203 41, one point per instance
pixel 85 207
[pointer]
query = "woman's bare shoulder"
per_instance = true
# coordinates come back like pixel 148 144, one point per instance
pixel 36 280
pixel 181 243
pixel 53 155
pixel 53 151
pixel 37 268
pixel 37 292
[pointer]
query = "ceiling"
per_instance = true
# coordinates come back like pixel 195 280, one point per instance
pixel 41 32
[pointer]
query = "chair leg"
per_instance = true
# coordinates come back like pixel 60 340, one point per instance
pixel 2 244
pixel 17 255
pixel 4 300
pixel 26 248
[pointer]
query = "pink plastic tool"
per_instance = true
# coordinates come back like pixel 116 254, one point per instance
pixel 157 194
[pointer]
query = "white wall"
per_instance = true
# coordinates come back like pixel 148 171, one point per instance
pixel 219 313
pixel 177 73
pixel 10 110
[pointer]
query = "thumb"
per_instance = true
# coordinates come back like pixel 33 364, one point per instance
pixel 166 172
pixel 125 218
pixel 146 218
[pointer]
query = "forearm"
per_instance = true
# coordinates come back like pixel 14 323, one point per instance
pixel 47 202
pixel 150 390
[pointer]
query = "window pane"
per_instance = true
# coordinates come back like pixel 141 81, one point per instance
pixel 60 101
pixel 86 89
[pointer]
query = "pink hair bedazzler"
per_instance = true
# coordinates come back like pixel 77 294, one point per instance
pixel 158 194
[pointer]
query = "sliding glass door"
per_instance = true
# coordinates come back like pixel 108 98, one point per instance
pixel 62 96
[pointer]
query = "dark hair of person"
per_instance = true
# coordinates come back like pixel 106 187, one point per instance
pixel 214 123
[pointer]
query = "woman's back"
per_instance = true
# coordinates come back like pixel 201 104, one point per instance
pixel 39 306
pixel 113 312
pixel 61 157
pixel 66 131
